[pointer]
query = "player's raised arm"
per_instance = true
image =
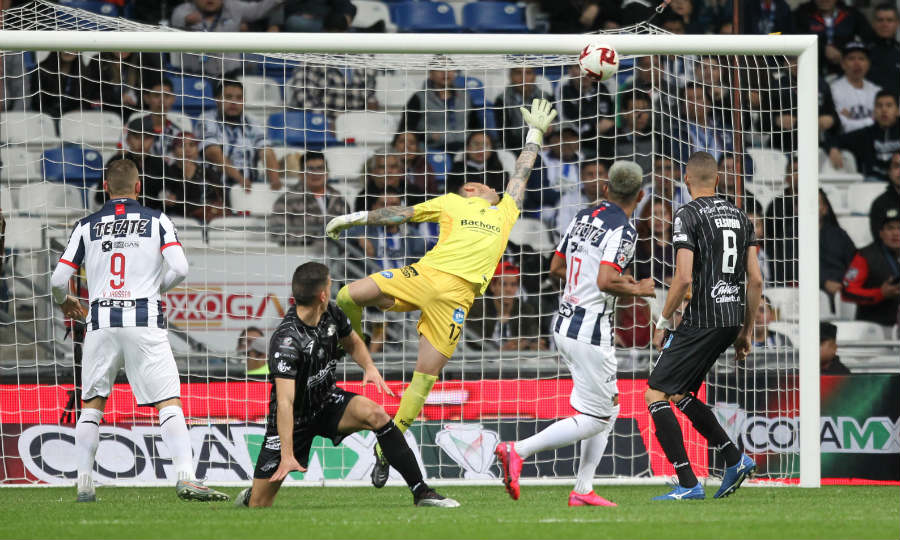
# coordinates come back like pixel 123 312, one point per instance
pixel 389 215
pixel 538 120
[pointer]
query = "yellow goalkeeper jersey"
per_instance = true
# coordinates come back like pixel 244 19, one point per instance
pixel 473 235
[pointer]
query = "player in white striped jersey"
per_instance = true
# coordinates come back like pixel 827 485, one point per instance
pixel 122 248
pixel 592 256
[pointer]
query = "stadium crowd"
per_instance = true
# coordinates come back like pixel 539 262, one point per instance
pixel 657 112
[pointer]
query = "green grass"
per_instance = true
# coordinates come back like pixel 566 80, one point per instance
pixel 830 512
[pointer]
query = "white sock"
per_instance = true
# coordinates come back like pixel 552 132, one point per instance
pixel 175 434
pixel 566 431
pixel 87 439
pixel 591 452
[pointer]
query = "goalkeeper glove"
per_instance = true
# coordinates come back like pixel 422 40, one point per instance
pixel 538 120
pixel 338 224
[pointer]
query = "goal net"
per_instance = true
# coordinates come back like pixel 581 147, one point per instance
pixel 250 154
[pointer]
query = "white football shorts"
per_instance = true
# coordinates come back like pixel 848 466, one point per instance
pixel 147 357
pixel 593 369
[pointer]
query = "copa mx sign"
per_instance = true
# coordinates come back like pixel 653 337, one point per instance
pixel 844 434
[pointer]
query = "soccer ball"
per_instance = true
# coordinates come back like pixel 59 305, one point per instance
pixel 599 61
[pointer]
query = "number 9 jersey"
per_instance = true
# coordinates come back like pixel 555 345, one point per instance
pixel 596 236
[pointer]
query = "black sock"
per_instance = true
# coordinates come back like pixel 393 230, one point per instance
pixel 394 447
pixel 668 433
pixel 705 423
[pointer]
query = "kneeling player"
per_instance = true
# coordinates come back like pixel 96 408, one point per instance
pixel 305 401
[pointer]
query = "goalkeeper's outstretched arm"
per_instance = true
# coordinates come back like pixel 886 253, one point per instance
pixel 538 120
pixel 389 215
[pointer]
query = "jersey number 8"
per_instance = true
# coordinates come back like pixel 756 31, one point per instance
pixel 729 251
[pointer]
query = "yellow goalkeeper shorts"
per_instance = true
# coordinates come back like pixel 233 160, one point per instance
pixel 444 299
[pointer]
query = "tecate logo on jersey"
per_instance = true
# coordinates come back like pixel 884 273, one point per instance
pixel 723 292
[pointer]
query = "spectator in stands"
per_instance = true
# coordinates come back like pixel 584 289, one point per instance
pixel 138 146
pixel 781 229
pixel 728 179
pixel 299 215
pixel 829 362
pixel 884 50
pixel 836 249
pixel 641 77
pixel 708 73
pixel 889 199
pixel 383 173
pixel 594 174
pixel 586 106
pixel 478 163
pixel 756 214
pixel 578 17
pixel 854 96
pixel 767 17
pixel 522 90
pixel 388 246
pixel 762 335
pixel 113 80
pixel 561 179
pixel 836 24
pixel 695 18
pixel 445 110
pixel 57 83
pixel 315 15
pixel 502 317
pixel 873 145
pixel 654 254
pixel 829 122
pixel 636 140
pixel 159 99
pixel 15 84
pixel 234 141
pixel 217 16
pixel 420 182
pixel 665 183
pixel 702 131
pixel 192 188
pixel 248 344
pixel 873 280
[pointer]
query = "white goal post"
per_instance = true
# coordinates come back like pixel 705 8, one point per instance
pixel 803 47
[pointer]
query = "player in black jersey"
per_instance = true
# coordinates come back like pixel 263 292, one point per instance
pixel 305 401
pixel 715 248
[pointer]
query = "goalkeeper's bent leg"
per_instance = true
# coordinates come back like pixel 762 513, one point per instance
pixel 412 402
pixel 353 311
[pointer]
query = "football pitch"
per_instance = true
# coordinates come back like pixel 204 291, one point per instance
pixel 486 512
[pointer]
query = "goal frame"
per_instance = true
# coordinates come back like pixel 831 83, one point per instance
pixel 802 46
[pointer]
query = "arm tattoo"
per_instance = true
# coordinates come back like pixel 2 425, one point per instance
pixel 390 215
pixel 516 186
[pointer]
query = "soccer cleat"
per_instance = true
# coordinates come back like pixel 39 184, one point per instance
pixel 381 470
pixel 194 490
pixel 679 493
pixel 430 497
pixel 86 491
pixel 588 499
pixel 243 498
pixel 512 467
pixel 735 475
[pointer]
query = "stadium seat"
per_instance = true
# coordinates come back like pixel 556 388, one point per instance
pixel 849 164
pixel 474 87
pixel 857 227
pixel 532 232
pixel 346 162
pixel 862 196
pixel 259 201
pixel 786 300
pixel 826 313
pixel 94 6
pixel 494 17
pixel 261 93
pixel 370 12
pixel 860 331
pixel 837 196
pixel 193 95
pixel 768 165
pixel 72 164
pixel 789 329
pixel 52 199
pixel 20 165
pixel 190 232
pixel 366 127
pixel 299 128
pixel 393 90
pixel 439 163
pixel 240 232
pixel 424 17
pixel 27 127
pixel 94 128
pixel 24 233
pixel 7 203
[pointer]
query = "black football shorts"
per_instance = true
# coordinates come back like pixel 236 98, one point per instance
pixel 687 356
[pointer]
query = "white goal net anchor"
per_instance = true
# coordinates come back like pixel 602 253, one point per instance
pixel 365 111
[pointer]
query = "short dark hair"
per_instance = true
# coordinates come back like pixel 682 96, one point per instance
pixel 157 79
pixel 308 281
pixel 631 97
pixel 886 6
pixel 311 155
pixel 121 175
pixel 885 93
pixel 223 84
pixel 704 167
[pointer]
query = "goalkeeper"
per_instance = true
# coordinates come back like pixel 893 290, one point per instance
pixel 474 228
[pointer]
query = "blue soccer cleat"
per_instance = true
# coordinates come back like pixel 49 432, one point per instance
pixel 734 475
pixel 679 493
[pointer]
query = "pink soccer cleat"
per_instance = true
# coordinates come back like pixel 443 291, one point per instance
pixel 512 467
pixel 588 499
